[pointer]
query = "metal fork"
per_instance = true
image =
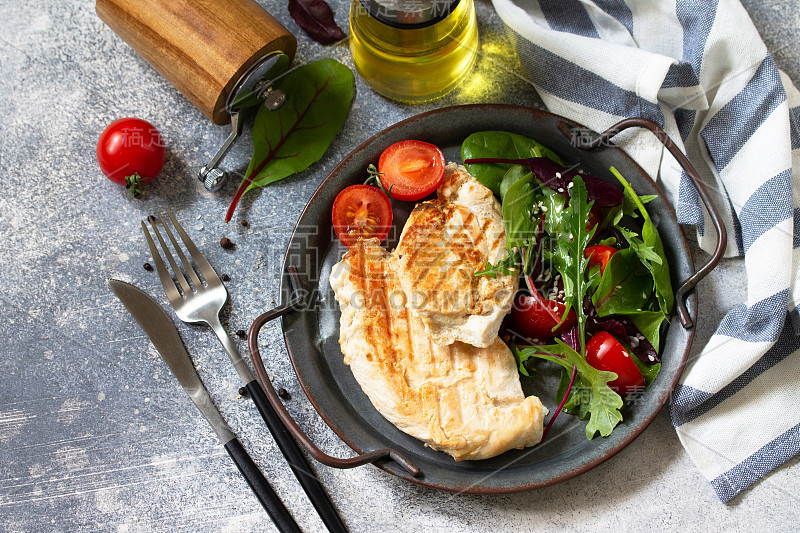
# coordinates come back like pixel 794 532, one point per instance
pixel 199 301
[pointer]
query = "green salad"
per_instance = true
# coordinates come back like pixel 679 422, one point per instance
pixel 595 282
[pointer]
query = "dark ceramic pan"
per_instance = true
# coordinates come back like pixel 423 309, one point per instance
pixel 311 332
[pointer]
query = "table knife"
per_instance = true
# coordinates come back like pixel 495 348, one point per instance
pixel 164 335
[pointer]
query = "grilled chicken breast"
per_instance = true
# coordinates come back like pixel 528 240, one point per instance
pixel 461 399
pixel 444 243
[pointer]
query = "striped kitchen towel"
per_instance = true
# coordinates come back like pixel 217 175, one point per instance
pixel 700 70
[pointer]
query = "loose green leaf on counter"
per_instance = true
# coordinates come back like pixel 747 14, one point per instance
pixel 499 144
pixel 286 141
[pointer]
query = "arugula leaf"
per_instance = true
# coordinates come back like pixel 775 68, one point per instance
pixel 624 287
pixel 286 141
pixel 571 241
pixel 650 237
pixel 590 396
pixel 499 144
pixel 645 252
pixel 505 267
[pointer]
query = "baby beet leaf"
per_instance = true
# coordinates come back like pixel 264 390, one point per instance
pixel 286 141
pixel 316 19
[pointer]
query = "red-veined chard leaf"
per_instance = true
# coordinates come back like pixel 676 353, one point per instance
pixel 316 19
pixel 286 141
pixel 499 144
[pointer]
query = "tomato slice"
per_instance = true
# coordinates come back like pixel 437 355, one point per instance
pixel 531 319
pixel 599 255
pixel 604 352
pixel 411 170
pixel 361 211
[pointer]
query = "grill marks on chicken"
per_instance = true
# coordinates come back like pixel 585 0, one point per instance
pixel 457 398
pixel 444 243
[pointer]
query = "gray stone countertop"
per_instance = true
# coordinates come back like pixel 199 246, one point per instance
pixel 96 435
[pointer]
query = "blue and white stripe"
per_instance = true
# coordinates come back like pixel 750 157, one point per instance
pixel 700 70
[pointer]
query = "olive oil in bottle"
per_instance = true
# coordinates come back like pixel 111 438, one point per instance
pixel 413 50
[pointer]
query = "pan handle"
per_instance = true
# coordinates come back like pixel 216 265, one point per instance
pixel 661 135
pixel 286 418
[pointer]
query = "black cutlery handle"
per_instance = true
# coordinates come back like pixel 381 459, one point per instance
pixel 261 488
pixel 297 461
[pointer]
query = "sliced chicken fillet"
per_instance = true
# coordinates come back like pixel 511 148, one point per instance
pixel 457 398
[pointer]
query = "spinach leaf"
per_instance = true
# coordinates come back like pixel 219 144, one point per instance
pixel 510 178
pixel 649 372
pixel 649 323
pixel 590 396
pixel 517 212
pixel 286 141
pixel 499 144
pixel 651 240
pixel 625 286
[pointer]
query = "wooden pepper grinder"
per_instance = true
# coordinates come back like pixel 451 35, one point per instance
pixel 220 54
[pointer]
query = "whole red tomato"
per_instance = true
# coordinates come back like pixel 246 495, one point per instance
pixel 131 153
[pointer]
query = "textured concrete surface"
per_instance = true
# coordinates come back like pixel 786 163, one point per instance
pixel 95 434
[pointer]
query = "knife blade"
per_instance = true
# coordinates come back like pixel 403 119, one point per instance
pixel 161 331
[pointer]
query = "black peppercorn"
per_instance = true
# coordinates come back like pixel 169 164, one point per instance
pixel 242 391
pixel 241 333
pixel 226 243
pixel 148 267
pixel 225 277
pixel 283 393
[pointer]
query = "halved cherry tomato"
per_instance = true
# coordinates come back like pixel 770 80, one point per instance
pixel 531 319
pixel 361 211
pixel 604 352
pixel 411 170
pixel 599 255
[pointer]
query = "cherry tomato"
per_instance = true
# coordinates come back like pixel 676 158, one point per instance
pixel 411 170
pixel 361 211
pixel 604 352
pixel 131 153
pixel 599 255
pixel 531 319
